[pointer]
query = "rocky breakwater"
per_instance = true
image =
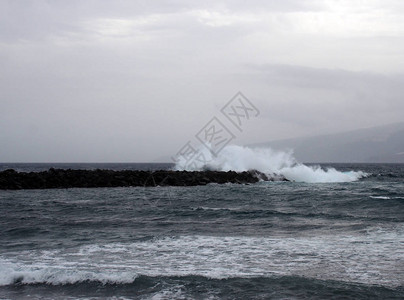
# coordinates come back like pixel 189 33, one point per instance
pixel 61 178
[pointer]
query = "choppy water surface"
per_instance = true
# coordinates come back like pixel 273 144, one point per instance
pixel 266 240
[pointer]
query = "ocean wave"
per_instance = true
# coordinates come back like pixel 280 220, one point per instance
pixel 17 274
pixel 387 197
pixel 380 197
pixel 197 287
pixel 238 158
pixel 213 257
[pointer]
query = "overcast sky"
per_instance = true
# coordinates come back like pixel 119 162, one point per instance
pixel 132 81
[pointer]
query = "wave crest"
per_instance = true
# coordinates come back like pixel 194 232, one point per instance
pixel 55 276
pixel 239 159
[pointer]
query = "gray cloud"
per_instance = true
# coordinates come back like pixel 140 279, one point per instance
pixel 135 80
pixel 337 99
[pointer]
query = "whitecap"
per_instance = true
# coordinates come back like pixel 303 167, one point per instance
pixel 239 158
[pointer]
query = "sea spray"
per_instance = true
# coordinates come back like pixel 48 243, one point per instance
pixel 266 160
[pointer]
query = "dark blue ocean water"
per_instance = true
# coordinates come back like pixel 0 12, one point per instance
pixel 270 240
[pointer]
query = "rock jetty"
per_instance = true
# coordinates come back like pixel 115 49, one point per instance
pixel 61 178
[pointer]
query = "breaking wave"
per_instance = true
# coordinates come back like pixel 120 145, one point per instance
pixel 211 257
pixel 239 158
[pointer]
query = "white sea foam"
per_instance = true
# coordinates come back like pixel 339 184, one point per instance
pixel 370 258
pixel 380 197
pixel 266 160
pixel 49 274
pixel 172 292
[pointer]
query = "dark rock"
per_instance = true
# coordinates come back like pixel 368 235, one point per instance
pixel 60 178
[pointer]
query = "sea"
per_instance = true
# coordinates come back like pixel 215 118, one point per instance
pixel 341 239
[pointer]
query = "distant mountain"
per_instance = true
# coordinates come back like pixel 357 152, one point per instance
pixel 376 144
